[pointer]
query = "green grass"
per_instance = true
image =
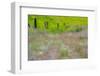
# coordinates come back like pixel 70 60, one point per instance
pixel 57 23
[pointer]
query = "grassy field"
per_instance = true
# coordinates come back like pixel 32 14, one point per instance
pixel 57 37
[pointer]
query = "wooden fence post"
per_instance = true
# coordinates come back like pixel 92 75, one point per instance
pixel 28 25
pixel 46 24
pixel 35 23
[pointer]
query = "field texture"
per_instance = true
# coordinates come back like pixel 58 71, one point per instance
pixel 57 37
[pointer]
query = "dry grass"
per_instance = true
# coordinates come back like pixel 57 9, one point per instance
pixel 68 45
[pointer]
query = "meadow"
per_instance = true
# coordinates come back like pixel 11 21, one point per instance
pixel 57 37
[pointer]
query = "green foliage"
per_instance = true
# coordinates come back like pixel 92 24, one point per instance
pixel 57 23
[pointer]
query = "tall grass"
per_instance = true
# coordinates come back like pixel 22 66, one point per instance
pixel 56 23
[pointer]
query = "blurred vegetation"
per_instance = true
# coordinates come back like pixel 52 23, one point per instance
pixel 45 44
pixel 56 23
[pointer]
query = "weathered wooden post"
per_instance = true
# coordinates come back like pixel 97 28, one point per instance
pixel 46 24
pixel 57 25
pixel 28 25
pixel 35 23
